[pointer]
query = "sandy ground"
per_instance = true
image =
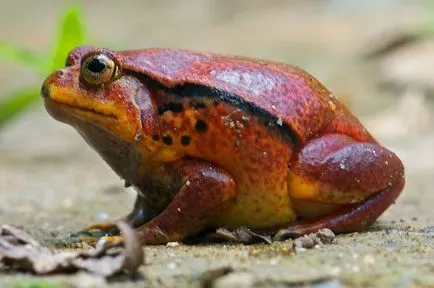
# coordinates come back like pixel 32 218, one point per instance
pixel 51 183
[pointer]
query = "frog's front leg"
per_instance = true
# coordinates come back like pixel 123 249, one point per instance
pixel 205 192
pixel 140 215
pixel 360 180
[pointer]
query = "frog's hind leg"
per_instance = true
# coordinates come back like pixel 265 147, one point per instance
pixel 361 180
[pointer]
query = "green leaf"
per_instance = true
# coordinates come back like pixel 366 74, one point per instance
pixel 24 57
pixel 17 103
pixel 71 35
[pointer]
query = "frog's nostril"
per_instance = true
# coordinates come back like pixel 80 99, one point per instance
pixel 44 91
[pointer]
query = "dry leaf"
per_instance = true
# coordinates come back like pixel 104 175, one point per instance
pixel 242 235
pixel 20 251
pixel 247 236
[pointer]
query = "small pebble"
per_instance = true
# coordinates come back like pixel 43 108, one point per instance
pixel 305 241
pixel 100 216
pixel 326 235
pixel 172 244
pixel 368 259
pixel 314 240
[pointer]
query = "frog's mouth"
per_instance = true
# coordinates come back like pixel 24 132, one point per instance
pixel 53 106
pixel 78 110
pixel 86 111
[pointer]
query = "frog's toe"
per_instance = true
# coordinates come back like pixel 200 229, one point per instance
pixel 114 240
pixel 105 227
pixel 94 237
pixel 94 232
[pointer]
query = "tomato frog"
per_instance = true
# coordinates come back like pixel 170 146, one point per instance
pixel 212 141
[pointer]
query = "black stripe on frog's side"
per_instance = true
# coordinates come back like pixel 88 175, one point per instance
pixel 170 106
pixel 193 90
pixel 197 104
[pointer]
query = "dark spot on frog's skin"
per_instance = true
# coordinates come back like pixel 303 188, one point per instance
pixel 185 140
pixel 167 140
pixel 196 104
pixel 127 184
pixel 201 126
pixel 170 106
pixel 155 137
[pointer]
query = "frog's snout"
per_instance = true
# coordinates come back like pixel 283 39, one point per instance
pixel 45 90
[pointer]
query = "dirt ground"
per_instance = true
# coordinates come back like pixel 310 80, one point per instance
pixel 52 183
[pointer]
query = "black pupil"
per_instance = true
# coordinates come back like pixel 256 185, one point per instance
pixel 96 65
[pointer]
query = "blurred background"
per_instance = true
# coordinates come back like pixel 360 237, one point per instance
pixel 377 56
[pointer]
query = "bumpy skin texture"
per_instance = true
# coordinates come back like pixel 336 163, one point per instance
pixel 211 140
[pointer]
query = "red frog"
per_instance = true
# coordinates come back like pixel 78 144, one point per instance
pixel 214 141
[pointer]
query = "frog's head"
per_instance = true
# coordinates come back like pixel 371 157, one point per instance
pixel 94 90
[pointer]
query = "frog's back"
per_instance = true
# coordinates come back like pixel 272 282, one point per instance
pixel 285 95
pixel 235 97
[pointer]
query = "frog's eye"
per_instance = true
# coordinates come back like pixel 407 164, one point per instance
pixel 99 69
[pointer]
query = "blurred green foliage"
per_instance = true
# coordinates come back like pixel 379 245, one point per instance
pixel 35 284
pixel 70 34
pixel 429 7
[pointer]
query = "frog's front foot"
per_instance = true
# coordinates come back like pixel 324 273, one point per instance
pixel 94 232
pixel 138 217
pixel 92 237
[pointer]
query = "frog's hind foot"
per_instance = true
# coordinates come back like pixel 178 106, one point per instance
pixel 352 218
